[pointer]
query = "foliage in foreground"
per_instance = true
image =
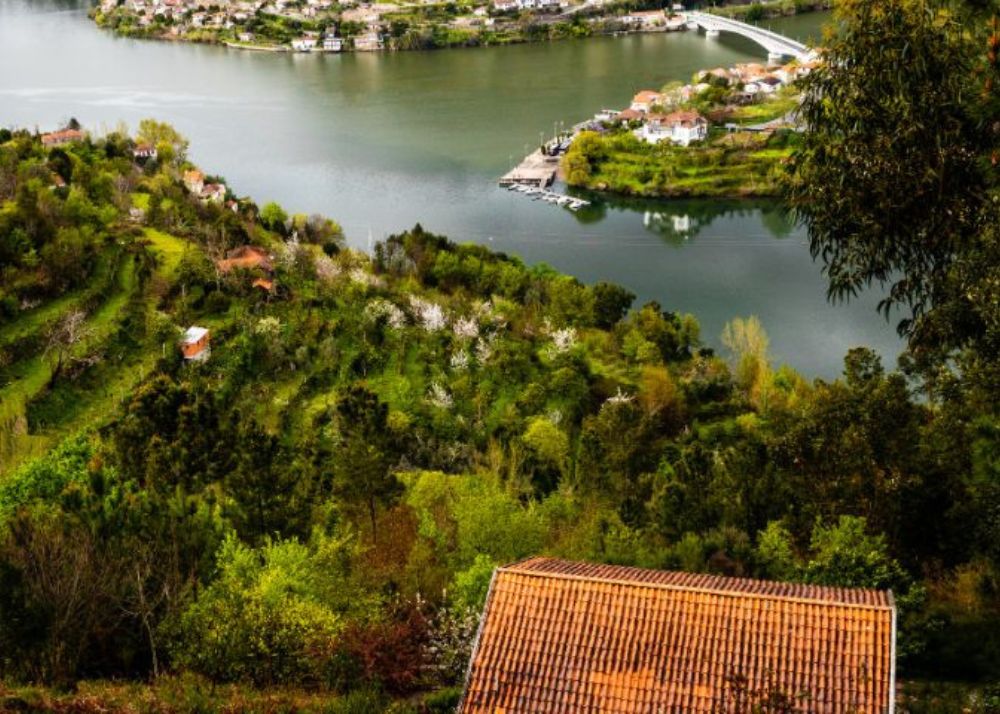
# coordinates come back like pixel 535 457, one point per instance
pixel 321 503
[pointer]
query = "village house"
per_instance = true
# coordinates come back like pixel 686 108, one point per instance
pixel 213 192
pixel 368 42
pixel 303 44
pixel 646 20
pixel 769 84
pixel 629 115
pixel 195 344
pixel 645 100
pixel 246 257
pixel 144 151
pixel 332 43
pixel 194 181
pixel 560 636
pixel 683 128
pixel 62 137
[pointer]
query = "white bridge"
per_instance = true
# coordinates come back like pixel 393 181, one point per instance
pixel 777 46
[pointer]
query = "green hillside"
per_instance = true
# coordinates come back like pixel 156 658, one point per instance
pixel 307 518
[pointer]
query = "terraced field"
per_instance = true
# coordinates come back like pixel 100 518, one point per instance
pixel 33 416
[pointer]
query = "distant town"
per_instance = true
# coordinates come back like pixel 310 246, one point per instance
pixel 325 26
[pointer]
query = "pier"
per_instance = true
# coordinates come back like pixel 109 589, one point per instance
pixel 537 170
pixel 540 194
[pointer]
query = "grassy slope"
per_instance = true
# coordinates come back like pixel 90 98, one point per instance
pixel 717 169
pixel 84 406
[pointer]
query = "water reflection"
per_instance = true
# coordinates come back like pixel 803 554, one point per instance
pixel 680 221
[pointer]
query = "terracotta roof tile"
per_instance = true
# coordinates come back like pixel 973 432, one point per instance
pixel 559 636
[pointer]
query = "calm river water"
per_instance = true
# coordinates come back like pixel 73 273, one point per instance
pixel 382 141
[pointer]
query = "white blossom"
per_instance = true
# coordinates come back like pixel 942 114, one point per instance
pixel 268 327
pixel 361 277
pixel 619 398
pixel 564 339
pixel 380 307
pixel 484 348
pixel 460 360
pixel 429 315
pixel 326 269
pixel 438 396
pixel 465 327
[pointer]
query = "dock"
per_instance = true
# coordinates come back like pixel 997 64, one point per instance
pixel 540 194
pixel 537 170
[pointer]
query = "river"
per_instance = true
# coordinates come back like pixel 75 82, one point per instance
pixel 383 141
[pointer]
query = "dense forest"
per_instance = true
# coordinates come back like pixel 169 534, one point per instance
pixel 307 516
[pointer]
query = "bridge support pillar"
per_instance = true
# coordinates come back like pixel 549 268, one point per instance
pixel 775 58
pixel 711 32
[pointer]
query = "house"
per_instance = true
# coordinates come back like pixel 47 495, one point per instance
pixel 645 100
pixel 213 192
pixel 304 44
pixel 194 181
pixel 144 151
pixel 560 636
pixel 62 137
pixel 681 127
pixel 332 44
pixel 769 84
pixel 368 42
pixel 194 345
pixel 245 37
pixel 646 20
pixel 629 115
pixel 506 5
pixel 247 257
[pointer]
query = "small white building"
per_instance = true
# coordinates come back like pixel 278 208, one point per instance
pixel 332 44
pixel 195 344
pixel 682 128
pixel 368 42
pixel 304 44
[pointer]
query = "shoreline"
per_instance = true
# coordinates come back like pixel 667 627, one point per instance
pixel 472 42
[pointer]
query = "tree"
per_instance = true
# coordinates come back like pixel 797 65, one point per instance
pixel 846 555
pixel 896 176
pixel 274 217
pixel 611 302
pixel 365 454
pixel 749 343
pixel 164 137
pixel 68 332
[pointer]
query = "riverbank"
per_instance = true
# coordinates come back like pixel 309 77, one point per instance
pixel 757 11
pixel 324 27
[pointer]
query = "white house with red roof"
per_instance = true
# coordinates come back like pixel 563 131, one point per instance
pixel 683 128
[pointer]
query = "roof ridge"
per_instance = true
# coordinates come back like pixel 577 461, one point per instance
pixel 889 605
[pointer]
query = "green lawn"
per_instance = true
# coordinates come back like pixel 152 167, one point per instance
pixel 169 249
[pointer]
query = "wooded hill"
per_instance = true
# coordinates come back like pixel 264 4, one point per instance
pixel 319 502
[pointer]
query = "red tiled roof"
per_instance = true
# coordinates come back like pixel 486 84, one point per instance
pixel 61 137
pixel 569 637
pixel 647 95
pixel 679 117
pixel 246 256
